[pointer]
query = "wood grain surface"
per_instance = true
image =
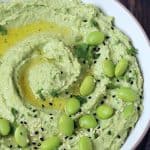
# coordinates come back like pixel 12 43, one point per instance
pixel 141 10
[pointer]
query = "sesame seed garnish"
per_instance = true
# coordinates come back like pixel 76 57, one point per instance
pixel 36 132
pixel 42 139
pixel 50 104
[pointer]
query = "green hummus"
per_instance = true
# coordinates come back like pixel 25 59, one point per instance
pixel 45 57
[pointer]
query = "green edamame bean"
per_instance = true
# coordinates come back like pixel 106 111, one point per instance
pixel 128 111
pixel 66 125
pixel 127 94
pixel 72 106
pixel 108 68
pixel 104 111
pixel 21 136
pixel 87 86
pixel 121 67
pixel 85 143
pixel 52 143
pixel 87 122
pixel 95 38
pixel 4 127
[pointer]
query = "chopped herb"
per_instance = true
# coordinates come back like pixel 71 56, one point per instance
pixel 94 23
pixel 3 30
pixel 39 92
pixel 81 99
pixel 54 93
pixel 85 53
pixel 14 111
pixel 96 135
pixel 132 51
pixel 81 50
pixel 109 132
pixel 111 86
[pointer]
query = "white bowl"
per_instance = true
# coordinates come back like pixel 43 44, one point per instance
pixel 129 25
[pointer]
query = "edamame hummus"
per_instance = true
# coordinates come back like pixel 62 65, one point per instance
pixel 69 78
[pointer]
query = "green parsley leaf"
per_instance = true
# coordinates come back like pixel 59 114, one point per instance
pixel 81 50
pixel 132 51
pixel 54 93
pixel 42 97
pixel 14 111
pixel 3 30
pixel 81 99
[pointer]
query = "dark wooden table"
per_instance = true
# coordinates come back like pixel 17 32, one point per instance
pixel 141 10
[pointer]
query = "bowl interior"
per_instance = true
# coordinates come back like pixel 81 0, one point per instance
pixel 129 25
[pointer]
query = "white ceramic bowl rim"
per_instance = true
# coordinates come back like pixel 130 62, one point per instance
pixel 130 26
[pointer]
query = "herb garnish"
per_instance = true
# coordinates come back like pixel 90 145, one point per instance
pixel 84 52
pixel 81 99
pixel 14 111
pixel 3 30
pixel 54 93
pixel 132 51
pixel 39 92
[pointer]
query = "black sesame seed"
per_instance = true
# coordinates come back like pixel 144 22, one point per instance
pixel 112 28
pixel 113 96
pixel 66 137
pixel 109 132
pixel 50 104
pixel 84 20
pixel 89 97
pixel 43 105
pixel 42 139
pixel 66 92
pixel 34 143
pixel 51 114
pixel 25 122
pixel 131 82
pixel 97 120
pixel 105 97
pixel 141 96
pixel 39 144
pixel 51 117
pixel 98 80
pixel 104 43
pixel 10 146
pixel 117 80
pixel 42 129
pixel 70 138
pixel 95 62
pixel 118 136
pixel 98 127
pixel 71 96
pixel 35 116
pixel 130 71
pixel 61 72
pixel 21 122
pixel 35 147
pixel 79 110
pixel 102 102
pixel 88 130
pixel 94 114
pixel 138 108
pixel 34 110
pixel 36 132
pixel 107 37
pixel 84 62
